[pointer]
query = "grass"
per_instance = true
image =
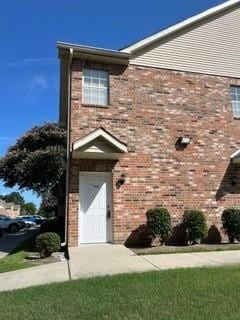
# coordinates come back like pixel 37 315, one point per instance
pixel 187 294
pixel 186 249
pixel 17 258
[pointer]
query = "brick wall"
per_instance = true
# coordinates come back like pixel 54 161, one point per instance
pixel 2 210
pixel 9 209
pixel 149 110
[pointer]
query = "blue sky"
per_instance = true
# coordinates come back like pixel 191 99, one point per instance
pixel 29 73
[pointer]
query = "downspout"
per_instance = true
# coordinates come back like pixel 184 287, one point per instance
pixel 63 244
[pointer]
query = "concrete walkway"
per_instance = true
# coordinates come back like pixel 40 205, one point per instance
pixel 105 259
pixel 100 260
pixel 193 260
pixel 44 274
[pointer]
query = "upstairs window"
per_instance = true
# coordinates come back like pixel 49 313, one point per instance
pixel 95 87
pixel 235 95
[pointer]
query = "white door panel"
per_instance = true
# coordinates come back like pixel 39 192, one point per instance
pixel 94 201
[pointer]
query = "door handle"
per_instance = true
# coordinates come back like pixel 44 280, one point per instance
pixel 108 212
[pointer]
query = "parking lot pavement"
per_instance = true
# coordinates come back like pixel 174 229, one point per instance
pixel 10 241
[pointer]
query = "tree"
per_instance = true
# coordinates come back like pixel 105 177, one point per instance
pixel 29 208
pixel 48 204
pixel 37 162
pixel 14 197
pixel 44 213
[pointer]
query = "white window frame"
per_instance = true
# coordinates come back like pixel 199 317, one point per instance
pixel 235 101
pixel 92 86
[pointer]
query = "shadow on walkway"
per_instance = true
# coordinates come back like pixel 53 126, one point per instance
pixel 10 241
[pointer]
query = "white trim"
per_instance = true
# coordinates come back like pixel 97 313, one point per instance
pixel 179 26
pixel 235 154
pixel 109 191
pixel 90 49
pixel 96 134
pixel 95 87
pixel 93 173
pixel 235 90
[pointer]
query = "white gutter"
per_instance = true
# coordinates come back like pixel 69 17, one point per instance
pixel 68 144
pixel 235 154
pixel 93 50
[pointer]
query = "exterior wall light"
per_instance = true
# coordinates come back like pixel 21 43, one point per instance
pixel 184 140
pixel 182 143
pixel 121 181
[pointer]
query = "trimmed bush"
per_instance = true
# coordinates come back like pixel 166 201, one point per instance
pixel 139 237
pixel 159 223
pixel 178 236
pixel 231 223
pixel 195 224
pixel 47 243
pixel 214 235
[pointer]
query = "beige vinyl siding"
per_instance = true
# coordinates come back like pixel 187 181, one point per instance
pixel 211 47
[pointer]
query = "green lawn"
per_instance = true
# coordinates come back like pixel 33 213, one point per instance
pixel 190 294
pixel 16 259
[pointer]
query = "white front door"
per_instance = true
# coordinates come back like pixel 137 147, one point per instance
pixel 95 208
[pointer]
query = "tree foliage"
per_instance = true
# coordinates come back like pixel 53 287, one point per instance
pixel 37 161
pixel 29 208
pixel 49 204
pixel 14 197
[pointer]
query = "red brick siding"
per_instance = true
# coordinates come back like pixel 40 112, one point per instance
pixel 149 109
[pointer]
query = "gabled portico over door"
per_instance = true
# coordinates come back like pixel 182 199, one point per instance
pixel 95 213
pixel 99 144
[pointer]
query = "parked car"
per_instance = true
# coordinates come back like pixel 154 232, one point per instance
pixel 35 218
pixel 11 225
pixel 21 223
pixel 38 219
pixel 28 222
pixel 1 232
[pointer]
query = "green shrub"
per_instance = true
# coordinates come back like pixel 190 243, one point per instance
pixel 140 237
pixel 55 225
pixel 231 223
pixel 195 224
pixel 214 235
pixel 47 243
pixel 178 236
pixel 159 223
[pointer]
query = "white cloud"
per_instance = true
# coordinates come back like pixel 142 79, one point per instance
pixel 28 62
pixel 39 83
pixel 7 138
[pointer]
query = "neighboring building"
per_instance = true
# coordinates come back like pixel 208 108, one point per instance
pixel 10 209
pixel 154 124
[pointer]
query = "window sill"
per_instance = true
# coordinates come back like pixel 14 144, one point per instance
pixel 236 118
pixel 95 105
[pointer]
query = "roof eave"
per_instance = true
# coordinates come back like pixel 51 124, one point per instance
pixel 86 52
pixel 180 26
